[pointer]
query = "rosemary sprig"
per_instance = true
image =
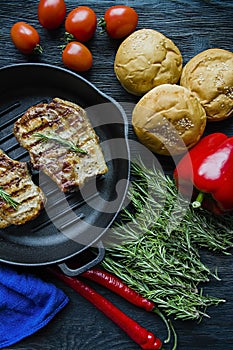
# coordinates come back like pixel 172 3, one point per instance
pixel 55 138
pixel 8 199
pixel 157 253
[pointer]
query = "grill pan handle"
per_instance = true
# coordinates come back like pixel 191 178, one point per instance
pixel 75 272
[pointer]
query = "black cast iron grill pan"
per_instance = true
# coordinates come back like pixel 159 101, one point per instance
pixel 74 222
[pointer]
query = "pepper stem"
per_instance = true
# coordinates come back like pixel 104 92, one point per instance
pixel 160 314
pixel 170 328
pixel 175 336
pixel 198 201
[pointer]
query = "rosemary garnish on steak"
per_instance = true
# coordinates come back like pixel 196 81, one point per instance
pixel 55 138
pixel 8 199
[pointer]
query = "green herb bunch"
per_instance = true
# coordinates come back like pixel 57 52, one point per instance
pixel 155 247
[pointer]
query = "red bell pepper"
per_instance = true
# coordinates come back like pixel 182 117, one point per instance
pixel 208 167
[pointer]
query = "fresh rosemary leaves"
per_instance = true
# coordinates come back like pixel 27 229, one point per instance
pixel 55 138
pixel 8 199
pixel 161 260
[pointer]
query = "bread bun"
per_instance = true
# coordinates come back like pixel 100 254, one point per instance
pixel 146 59
pixel 169 119
pixel 209 75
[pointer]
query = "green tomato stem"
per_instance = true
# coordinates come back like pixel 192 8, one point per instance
pixel 38 49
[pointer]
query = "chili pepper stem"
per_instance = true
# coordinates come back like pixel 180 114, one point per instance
pixel 170 328
pixel 174 335
pixel 160 314
pixel 198 201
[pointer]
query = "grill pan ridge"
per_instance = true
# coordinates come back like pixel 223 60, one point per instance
pixel 44 240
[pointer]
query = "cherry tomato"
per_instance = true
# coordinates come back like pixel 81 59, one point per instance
pixel 25 38
pixel 81 23
pixel 119 21
pixel 77 56
pixel 51 13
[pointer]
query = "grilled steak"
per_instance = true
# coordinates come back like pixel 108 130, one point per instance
pixel 3 223
pixel 68 122
pixel 16 182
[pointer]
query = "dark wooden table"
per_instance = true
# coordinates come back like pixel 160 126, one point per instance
pixel 194 25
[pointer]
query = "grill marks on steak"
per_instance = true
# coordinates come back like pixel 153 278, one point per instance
pixel 16 181
pixel 70 122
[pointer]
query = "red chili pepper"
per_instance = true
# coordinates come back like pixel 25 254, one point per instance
pixel 145 339
pixel 209 167
pixel 117 286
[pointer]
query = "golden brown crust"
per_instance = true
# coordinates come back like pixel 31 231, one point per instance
pixel 169 119
pixel 146 59
pixel 209 75
pixel 16 181
pixel 3 223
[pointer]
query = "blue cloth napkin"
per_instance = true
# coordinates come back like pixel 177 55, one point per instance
pixel 27 303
